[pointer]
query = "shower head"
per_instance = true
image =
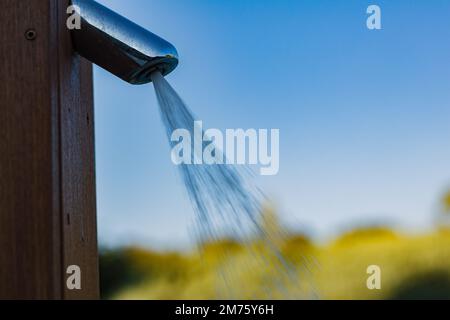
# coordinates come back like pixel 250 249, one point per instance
pixel 119 45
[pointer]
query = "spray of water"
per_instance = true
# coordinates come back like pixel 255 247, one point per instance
pixel 222 197
pixel 227 204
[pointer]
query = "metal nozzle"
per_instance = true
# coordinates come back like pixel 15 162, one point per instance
pixel 119 45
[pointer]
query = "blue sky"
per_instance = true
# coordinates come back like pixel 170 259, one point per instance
pixel 364 116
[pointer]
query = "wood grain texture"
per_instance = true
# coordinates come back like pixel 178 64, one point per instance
pixel 47 171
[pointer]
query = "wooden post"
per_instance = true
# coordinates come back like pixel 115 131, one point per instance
pixel 47 173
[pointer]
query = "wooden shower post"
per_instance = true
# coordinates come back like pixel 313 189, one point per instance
pixel 47 172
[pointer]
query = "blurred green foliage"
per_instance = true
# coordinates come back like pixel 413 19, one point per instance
pixel 127 267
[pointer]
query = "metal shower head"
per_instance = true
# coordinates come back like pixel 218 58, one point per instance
pixel 119 45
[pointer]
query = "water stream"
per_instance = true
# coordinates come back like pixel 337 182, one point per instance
pixel 228 204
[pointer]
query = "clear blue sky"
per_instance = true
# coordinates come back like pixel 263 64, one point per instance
pixel 364 116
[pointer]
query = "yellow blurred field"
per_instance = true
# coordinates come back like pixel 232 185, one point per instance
pixel 412 267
